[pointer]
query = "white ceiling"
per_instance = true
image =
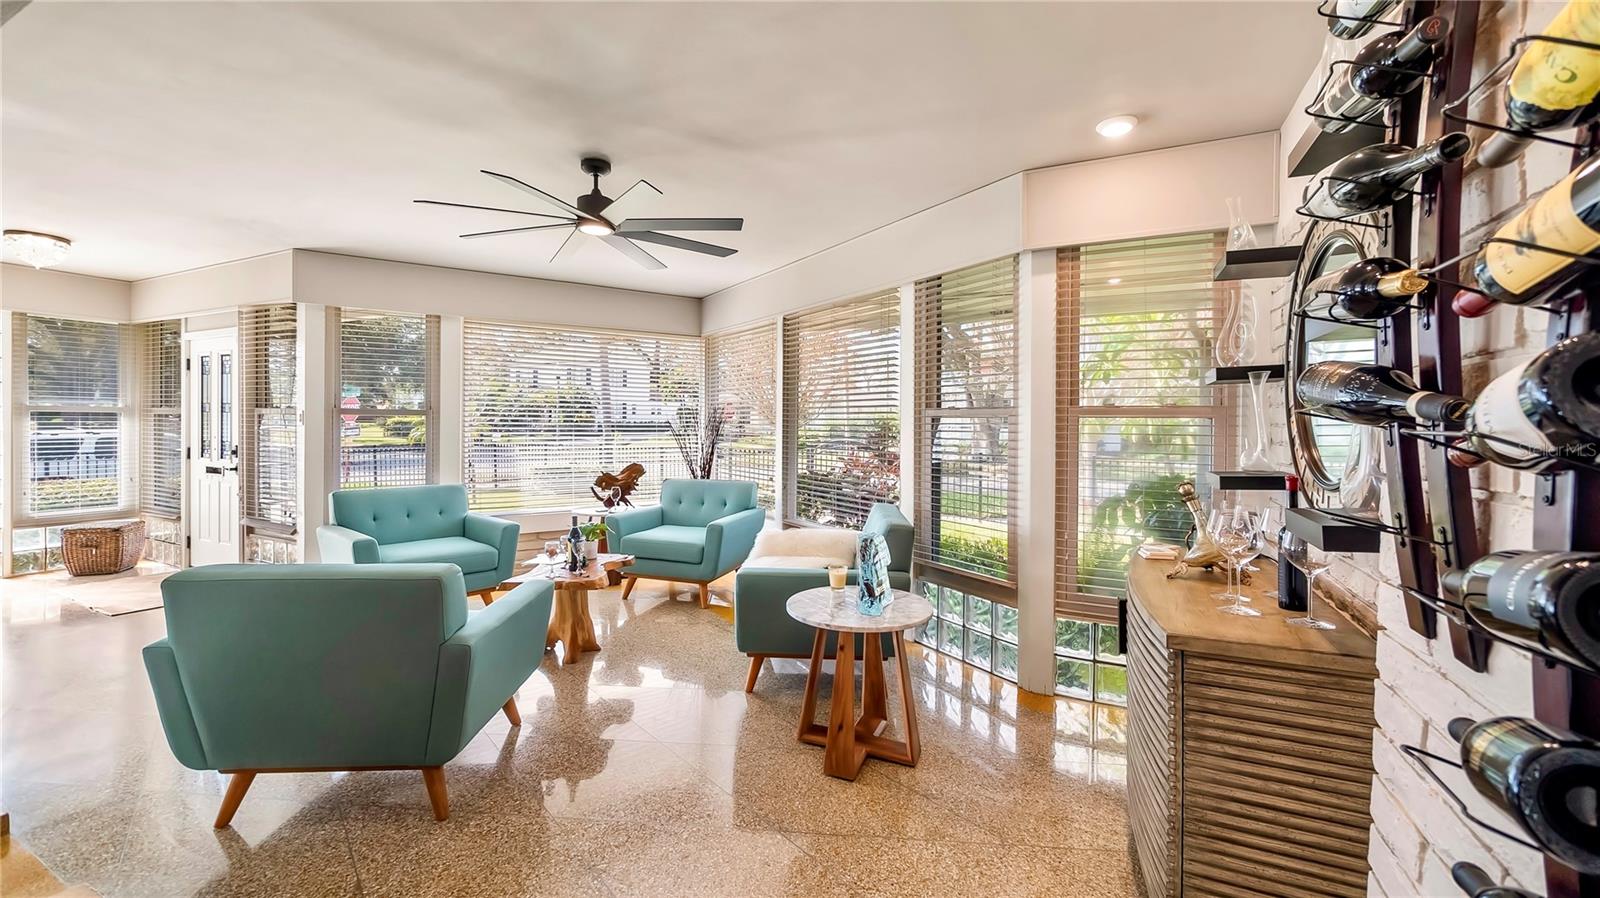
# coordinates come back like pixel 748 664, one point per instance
pixel 166 136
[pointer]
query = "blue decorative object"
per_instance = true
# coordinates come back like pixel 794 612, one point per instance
pixel 875 593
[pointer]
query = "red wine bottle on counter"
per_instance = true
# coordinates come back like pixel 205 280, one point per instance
pixel 1553 86
pixel 1291 580
pixel 1344 23
pixel 1565 217
pixel 1550 404
pixel 1545 778
pixel 1390 66
pixel 1371 288
pixel 1373 394
pixel 1542 600
pixel 1377 176
pixel 1477 884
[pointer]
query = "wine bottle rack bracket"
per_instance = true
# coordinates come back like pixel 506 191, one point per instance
pixel 1454 112
pixel 1450 439
pixel 1324 10
pixel 1457 612
pixel 1348 220
pixel 1421 757
pixel 1379 116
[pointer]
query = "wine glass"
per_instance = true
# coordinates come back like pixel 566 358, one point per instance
pixel 1298 553
pixel 1271 525
pixel 553 550
pixel 1220 519
pixel 1239 538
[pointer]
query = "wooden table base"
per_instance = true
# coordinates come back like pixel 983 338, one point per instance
pixel 849 740
pixel 570 623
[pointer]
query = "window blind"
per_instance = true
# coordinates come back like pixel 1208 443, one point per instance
pixel 741 386
pixel 841 393
pixel 159 348
pixel 1135 322
pixel 269 417
pixel 74 409
pixel 966 372
pixel 546 410
pixel 388 382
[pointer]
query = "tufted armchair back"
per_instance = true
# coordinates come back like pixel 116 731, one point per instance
pixel 402 514
pixel 696 503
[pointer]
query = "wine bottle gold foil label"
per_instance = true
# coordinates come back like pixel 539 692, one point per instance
pixel 1561 76
pixel 1550 222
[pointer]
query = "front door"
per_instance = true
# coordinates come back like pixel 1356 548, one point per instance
pixel 213 437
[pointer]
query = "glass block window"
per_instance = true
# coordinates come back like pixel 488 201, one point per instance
pixel 972 628
pixel 35 549
pixel 1087 662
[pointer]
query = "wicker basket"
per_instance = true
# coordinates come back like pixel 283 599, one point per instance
pixel 108 547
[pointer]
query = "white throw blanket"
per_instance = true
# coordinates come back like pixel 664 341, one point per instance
pixel 804 548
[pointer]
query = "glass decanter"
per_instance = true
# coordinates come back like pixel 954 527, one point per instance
pixel 1236 337
pixel 1253 444
pixel 1240 233
pixel 1361 482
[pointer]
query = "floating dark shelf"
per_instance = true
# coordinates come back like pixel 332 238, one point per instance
pixel 1240 374
pixel 1249 480
pixel 1261 262
pixel 1317 149
pixel 1331 534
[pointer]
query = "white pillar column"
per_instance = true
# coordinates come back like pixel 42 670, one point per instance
pixel 780 443
pixel 908 400
pixel 318 452
pixel 449 407
pixel 1036 474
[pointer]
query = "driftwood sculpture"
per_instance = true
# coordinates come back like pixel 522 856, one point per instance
pixel 613 489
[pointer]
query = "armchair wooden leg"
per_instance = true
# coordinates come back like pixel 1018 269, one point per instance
pixel 510 707
pixel 705 595
pixel 438 796
pixel 487 595
pixel 627 585
pixel 755 671
pixel 237 786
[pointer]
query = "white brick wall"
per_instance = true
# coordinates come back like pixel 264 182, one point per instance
pixel 1416 831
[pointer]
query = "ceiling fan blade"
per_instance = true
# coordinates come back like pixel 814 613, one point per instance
pixel 493 209
pixel 694 246
pixel 559 224
pixel 618 204
pixel 680 224
pixel 563 247
pixel 559 203
pixel 634 251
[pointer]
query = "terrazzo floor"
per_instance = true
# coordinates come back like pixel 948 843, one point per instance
pixel 641 770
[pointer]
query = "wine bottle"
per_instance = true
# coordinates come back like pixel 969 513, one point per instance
pixel 1548 404
pixel 1378 175
pixel 1291 580
pixel 1553 85
pixel 575 560
pixel 1344 25
pixel 1371 288
pixel 1373 394
pixel 1565 217
pixel 1477 884
pixel 1388 67
pixel 1541 600
pixel 1545 778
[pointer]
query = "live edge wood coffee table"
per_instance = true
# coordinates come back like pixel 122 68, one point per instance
pixel 570 623
pixel 849 740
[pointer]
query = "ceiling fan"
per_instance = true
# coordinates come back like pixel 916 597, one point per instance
pixel 588 216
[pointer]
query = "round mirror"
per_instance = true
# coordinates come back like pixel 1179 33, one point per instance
pixel 1324 448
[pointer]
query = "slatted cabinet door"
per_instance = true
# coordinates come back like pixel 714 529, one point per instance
pixel 1152 754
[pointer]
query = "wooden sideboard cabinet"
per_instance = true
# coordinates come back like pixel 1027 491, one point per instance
pixel 1249 744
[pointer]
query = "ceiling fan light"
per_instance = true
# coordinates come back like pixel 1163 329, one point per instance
pixel 596 228
pixel 36 249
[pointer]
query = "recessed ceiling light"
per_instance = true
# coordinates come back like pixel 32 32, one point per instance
pixel 1117 125
pixel 36 249
pixel 1113 281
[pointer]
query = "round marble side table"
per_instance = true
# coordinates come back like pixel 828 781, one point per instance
pixel 848 740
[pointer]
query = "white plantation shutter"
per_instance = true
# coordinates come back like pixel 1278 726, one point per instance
pixel 1135 322
pixel 741 385
pixel 966 372
pixel 841 394
pixel 387 391
pixel 159 348
pixel 269 418
pixel 546 410
pixel 72 416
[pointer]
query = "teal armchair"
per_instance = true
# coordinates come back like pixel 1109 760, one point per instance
pixel 762 627
pixel 336 667
pixel 412 524
pixel 701 530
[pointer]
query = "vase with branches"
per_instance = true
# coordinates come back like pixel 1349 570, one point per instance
pixel 699 445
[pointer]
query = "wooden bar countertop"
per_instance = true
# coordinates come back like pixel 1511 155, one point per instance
pixel 1186 614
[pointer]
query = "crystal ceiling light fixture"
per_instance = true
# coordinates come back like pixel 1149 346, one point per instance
pixel 37 249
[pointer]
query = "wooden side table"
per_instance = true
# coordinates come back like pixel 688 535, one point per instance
pixel 849 740
pixel 570 623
